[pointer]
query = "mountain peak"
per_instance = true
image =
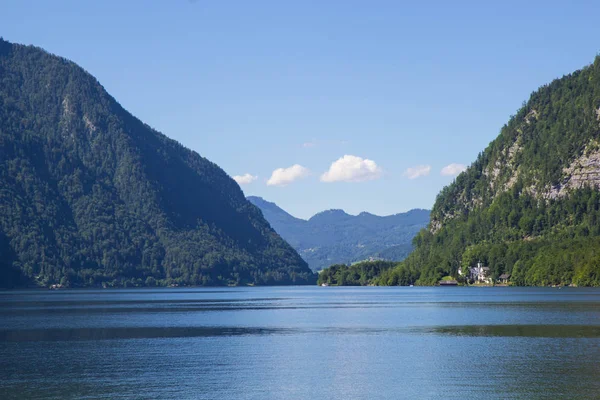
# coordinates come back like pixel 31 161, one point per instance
pixel 330 215
pixel 334 236
pixel 334 211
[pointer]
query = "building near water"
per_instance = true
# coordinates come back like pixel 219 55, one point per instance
pixel 480 273
pixel 504 278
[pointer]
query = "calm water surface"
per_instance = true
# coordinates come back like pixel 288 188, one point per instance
pixel 301 343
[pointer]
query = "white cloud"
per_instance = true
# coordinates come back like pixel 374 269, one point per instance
pixel 244 179
pixel 285 176
pixel 352 169
pixel 418 171
pixel 453 169
pixel 309 144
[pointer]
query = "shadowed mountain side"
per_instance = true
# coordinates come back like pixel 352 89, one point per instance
pixel 90 195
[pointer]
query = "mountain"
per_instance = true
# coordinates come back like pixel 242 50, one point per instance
pixel 90 195
pixel 529 206
pixel 283 223
pixel 334 237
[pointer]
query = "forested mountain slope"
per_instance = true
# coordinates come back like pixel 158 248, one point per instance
pixel 529 205
pixel 90 195
pixel 333 236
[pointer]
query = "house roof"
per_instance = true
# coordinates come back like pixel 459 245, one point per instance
pixel 504 276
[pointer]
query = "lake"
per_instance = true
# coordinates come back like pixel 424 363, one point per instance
pixel 301 343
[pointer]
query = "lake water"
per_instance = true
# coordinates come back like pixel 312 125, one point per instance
pixel 301 343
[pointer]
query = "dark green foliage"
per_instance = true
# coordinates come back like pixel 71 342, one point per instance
pixel 556 248
pixel 505 211
pixel 359 274
pixel 394 253
pixel 90 195
pixel 333 237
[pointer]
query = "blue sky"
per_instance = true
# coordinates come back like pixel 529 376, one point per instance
pixel 257 86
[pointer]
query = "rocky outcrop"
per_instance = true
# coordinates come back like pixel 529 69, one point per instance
pixel 583 172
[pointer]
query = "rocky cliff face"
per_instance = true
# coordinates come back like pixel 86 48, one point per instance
pixel 583 172
pixel 548 149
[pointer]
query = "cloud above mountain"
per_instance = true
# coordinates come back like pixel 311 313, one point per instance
pixel 453 169
pixel 417 171
pixel 245 179
pixel 285 176
pixel 352 169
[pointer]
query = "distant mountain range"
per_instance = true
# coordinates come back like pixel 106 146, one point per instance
pixel 333 236
pixel 90 195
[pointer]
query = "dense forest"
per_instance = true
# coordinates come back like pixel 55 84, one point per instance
pixel 335 237
pixel 359 274
pixel 90 195
pixel 529 205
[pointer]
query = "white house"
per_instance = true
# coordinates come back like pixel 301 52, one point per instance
pixel 480 273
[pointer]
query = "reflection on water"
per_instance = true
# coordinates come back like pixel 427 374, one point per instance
pixel 301 343
pixel 53 334
pixel 540 331
pixel 76 334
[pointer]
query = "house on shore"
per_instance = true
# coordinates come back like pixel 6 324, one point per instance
pixel 503 279
pixel 478 274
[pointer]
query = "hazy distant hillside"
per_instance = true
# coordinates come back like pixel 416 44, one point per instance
pixel 333 237
pixel 529 205
pixel 90 195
